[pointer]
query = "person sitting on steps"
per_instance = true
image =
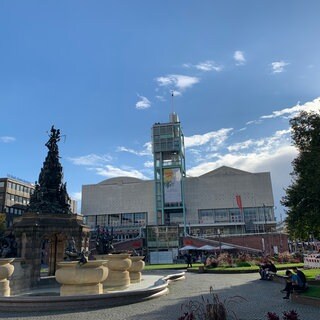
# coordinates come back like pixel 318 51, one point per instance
pixel 302 276
pixel 293 283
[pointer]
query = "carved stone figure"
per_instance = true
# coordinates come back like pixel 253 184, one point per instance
pixel 8 246
pixel 104 241
pixel 73 255
pixel 50 194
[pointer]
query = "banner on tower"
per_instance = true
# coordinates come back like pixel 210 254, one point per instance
pixel 172 186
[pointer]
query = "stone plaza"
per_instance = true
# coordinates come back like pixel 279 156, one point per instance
pixel 260 298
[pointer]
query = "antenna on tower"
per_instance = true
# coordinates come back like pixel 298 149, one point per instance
pixel 172 105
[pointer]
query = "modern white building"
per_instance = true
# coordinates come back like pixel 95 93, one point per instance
pixel 231 200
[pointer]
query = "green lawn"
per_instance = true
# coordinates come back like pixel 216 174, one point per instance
pixel 195 267
pixel 310 273
pixel 171 266
pixel 313 291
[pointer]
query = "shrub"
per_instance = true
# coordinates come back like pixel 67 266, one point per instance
pixel 224 259
pixel 287 315
pixel 243 264
pixel 209 309
pixel 211 262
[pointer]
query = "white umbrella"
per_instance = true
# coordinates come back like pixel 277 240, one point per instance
pixel 208 248
pixel 226 247
pixel 188 248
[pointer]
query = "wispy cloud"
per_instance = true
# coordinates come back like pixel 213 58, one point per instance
pixel 76 196
pixel 148 164
pixel 147 150
pixel 291 112
pixel 161 98
pixel 112 172
pixel 6 139
pixel 205 66
pixel 239 58
pixel 279 66
pixel 217 137
pixel 143 103
pixel 177 81
pixel 90 160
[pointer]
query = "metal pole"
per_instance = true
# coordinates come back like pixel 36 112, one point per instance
pixel 219 234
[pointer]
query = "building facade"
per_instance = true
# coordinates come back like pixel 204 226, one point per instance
pixel 14 197
pixel 226 201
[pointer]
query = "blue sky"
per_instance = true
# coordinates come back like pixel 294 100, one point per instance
pixel 102 72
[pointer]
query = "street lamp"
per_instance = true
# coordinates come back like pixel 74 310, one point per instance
pixel 219 234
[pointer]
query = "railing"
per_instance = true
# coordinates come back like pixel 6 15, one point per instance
pixel 312 261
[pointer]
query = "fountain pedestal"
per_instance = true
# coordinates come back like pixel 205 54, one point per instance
pixel 6 270
pixel 118 265
pixel 83 279
pixel 136 268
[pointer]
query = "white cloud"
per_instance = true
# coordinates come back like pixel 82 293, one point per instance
pixel 6 139
pixel 76 196
pixel 238 56
pixel 310 106
pixel 90 160
pixel 112 172
pixel 205 66
pixel 177 81
pixel 208 66
pixel 161 98
pixel 148 164
pixel 143 103
pixel 147 150
pixel 217 136
pixel 253 122
pixel 278 66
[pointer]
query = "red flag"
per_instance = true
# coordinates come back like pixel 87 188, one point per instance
pixel 239 202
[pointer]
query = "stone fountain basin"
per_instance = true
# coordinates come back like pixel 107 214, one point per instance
pixel 150 287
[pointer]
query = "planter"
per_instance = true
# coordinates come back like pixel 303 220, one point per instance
pixel 6 270
pixel 86 279
pixel 118 278
pixel 136 268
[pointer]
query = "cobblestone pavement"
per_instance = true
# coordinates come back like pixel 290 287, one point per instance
pixel 261 297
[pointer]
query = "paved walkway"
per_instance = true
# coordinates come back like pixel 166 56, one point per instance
pixel 261 297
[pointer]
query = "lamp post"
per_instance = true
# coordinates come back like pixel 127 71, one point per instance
pixel 219 234
pixel 265 228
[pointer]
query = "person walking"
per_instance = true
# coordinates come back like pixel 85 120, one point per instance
pixel 189 260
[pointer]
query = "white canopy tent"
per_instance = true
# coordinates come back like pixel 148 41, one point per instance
pixel 185 248
pixel 208 248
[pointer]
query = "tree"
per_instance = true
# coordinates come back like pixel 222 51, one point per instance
pixel 302 197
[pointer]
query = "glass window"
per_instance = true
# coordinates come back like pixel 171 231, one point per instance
pixel 235 215
pixel 127 218
pixel 206 216
pixel 91 221
pixel 176 218
pixel 250 214
pixel 114 220
pixel 221 215
pixel 140 219
pixel 101 220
